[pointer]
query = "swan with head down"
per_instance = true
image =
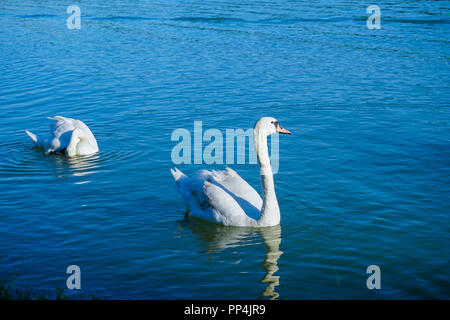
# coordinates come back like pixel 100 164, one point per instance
pixel 223 197
pixel 67 135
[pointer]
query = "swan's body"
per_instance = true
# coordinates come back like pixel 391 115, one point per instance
pixel 69 136
pixel 225 198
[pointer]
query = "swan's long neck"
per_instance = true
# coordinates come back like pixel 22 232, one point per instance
pixel 270 212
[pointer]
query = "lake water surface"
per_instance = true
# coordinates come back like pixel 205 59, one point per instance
pixel 363 180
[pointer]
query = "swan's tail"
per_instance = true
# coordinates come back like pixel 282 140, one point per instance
pixel 32 136
pixel 177 174
pixel 182 182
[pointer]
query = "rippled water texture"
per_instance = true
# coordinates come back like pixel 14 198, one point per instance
pixel 363 179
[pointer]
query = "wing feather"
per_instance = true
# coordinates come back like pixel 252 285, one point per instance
pixel 232 181
pixel 219 196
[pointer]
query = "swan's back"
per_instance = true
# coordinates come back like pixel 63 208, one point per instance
pixel 219 196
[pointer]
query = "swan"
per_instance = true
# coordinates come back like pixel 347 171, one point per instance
pixel 67 135
pixel 223 197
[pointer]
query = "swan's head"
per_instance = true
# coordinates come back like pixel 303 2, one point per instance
pixel 269 125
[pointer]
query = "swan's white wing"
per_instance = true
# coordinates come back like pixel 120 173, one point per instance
pixel 224 208
pixel 207 199
pixel 83 127
pixel 88 143
pixel 61 125
pixel 233 182
pixel 60 134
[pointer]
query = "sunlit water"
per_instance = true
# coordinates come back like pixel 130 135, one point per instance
pixel 363 179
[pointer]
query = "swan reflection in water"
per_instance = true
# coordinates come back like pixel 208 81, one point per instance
pixel 272 239
pixel 79 166
pixel 218 238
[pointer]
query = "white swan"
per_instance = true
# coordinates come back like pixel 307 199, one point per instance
pixel 69 136
pixel 225 198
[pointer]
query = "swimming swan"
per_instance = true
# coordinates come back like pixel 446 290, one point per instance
pixel 69 136
pixel 225 198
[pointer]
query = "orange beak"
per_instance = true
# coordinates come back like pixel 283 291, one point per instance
pixel 283 130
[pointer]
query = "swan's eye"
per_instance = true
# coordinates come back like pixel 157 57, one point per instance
pixel 276 124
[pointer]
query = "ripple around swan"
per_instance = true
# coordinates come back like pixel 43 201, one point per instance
pixel 34 164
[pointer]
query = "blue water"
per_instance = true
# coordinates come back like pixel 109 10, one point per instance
pixel 363 179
